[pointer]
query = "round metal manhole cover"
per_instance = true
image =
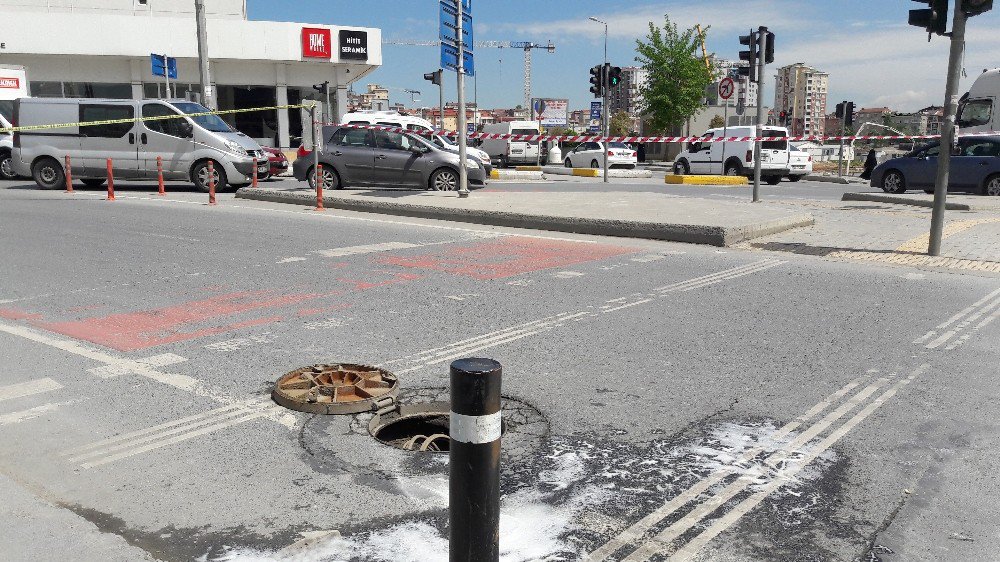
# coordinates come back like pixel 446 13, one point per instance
pixel 343 388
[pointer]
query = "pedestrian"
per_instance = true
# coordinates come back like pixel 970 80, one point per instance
pixel 870 164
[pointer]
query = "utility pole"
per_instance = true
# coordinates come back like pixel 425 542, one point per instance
pixel 948 131
pixel 604 91
pixel 463 172
pixel 762 36
pixel 207 99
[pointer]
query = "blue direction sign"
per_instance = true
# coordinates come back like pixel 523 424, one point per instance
pixel 449 59
pixel 596 108
pixel 158 67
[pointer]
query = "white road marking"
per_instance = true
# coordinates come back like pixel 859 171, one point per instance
pixel 718 277
pixel 787 473
pixel 648 259
pixel 521 282
pixel 367 249
pixel 291 260
pixel 567 274
pixel 324 324
pixel 956 318
pixel 965 337
pixel 965 323
pixel 112 371
pixel 163 360
pixel 629 305
pixel 462 297
pixel 28 388
pixel 236 344
pixel 31 413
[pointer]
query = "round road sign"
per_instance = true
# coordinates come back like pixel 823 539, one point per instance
pixel 726 88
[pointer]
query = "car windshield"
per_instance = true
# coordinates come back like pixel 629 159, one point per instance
pixel 775 145
pixel 445 141
pixel 7 110
pixel 619 145
pixel 208 122
pixel 975 112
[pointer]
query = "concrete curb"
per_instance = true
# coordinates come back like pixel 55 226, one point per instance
pixel 516 175
pixel 916 202
pixel 833 179
pixel 596 173
pixel 705 180
pixel 694 234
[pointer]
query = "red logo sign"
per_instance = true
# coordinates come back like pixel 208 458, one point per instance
pixel 316 43
pixel 14 83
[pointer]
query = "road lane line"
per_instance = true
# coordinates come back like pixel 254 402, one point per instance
pixel 474 339
pixel 734 276
pixel 24 415
pixel 664 539
pixel 28 388
pixel 965 337
pixel 148 430
pixel 370 249
pixel 956 318
pixel 695 545
pixel 718 276
pixel 638 529
pixel 485 346
pixel 943 338
pixel 629 305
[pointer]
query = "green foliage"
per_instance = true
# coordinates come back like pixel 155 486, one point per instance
pixel 677 74
pixel 621 124
pixel 717 122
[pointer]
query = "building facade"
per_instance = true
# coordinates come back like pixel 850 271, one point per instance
pixel 801 94
pixel 103 48
pixel 627 97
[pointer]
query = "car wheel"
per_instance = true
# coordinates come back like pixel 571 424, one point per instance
pixel 992 186
pixel 929 191
pixel 681 168
pixel 200 175
pixel 794 178
pixel 502 162
pixel 48 174
pixel 569 163
pixel 7 166
pixel 330 178
pixel 594 164
pixel 893 182
pixel 444 179
pixel 733 169
pixel 773 180
pixel 93 183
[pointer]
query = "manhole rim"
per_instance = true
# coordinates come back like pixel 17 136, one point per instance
pixel 282 398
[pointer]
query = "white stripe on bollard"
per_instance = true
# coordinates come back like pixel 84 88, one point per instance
pixel 475 429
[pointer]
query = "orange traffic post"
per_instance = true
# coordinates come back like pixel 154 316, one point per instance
pixel 211 183
pixel 254 182
pixel 69 176
pixel 159 174
pixel 319 188
pixel 111 182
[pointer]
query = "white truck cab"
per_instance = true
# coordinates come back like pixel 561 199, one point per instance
pixel 13 85
pixel 736 158
pixel 978 111
pixel 505 151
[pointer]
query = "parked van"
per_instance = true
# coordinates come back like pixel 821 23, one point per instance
pixel 736 158
pixel 389 119
pixel 506 151
pixel 186 144
pixel 13 85
pixel 978 111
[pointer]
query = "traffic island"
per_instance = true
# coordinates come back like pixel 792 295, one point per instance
pixel 956 201
pixel 651 216
pixel 672 179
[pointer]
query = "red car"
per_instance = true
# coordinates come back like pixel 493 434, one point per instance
pixel 278 161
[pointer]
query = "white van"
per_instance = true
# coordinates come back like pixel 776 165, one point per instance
pixel 506 151
pixel 389 119
pixel 978 111
pixel 736 158
pixel 13 85
pixel 185 143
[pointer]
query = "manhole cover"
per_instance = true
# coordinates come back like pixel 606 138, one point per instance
pixel 343 388
pixel 416 427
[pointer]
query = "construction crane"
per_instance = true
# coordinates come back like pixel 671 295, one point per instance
pixel 526 46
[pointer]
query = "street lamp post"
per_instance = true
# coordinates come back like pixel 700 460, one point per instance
pixel 604 88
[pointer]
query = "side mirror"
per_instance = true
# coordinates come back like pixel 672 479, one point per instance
pixel 187 129
pixel 416 150
pixel 695 147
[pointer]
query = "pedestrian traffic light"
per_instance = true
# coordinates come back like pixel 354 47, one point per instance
pixel 934 18
pixel 433 77
pixel 614 76
pixel 976 7
pixel 769 48
pixel 849 114
pixel 597 81
pixel 750 55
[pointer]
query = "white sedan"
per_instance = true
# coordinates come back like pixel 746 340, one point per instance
pixel 591 155
pixel 800 163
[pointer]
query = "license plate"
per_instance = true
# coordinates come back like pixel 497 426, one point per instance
pixel 262 169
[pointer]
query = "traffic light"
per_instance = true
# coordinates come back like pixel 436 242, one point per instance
pixel 976 7
pixel 597 81
pixel 840 109
pixel 769 48
pixel 433 77
pixel 614 76
pixel 934 18
pixel 849 114
pixel 751 55
pixel 323 88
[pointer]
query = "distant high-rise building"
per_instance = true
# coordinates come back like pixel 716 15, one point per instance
pixel 627 96
pixel 800 94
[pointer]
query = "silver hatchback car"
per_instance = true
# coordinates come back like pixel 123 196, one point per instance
pixel 366 157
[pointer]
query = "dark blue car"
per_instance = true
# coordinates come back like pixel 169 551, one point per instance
pixel 975 167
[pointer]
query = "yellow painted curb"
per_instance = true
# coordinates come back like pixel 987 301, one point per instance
pixel 528 168
pixel 494 174
pixel 706 180
pixel 587 172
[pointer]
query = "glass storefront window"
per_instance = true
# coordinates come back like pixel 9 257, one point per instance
pixel 46 89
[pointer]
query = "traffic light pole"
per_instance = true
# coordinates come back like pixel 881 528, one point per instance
pixel 463 172
pixel 762 36
pixel 204 69
pixel 441 94
pixel 948 132
pixel 843 130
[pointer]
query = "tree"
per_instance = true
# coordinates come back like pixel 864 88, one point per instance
pixel 621 124
pixel 677 74
pixel 717 122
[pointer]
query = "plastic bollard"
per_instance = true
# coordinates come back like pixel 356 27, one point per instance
pixel 159 175
pixel 211 183
pixel 319 188
pixel 69 176
pixel 111 182
pixel 253 183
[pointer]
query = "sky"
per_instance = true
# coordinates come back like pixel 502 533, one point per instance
pixel 873 57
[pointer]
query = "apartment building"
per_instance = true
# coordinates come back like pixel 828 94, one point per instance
pixel 801 94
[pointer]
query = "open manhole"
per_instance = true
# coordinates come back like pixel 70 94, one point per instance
pixel 342 388
pixel 422 427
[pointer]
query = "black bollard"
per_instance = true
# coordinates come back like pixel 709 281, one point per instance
pixel 474 458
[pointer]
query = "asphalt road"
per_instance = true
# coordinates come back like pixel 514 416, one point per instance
pixel 662 399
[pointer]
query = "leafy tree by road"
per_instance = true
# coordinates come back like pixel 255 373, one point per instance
pixel 677 74
pixel 621 124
